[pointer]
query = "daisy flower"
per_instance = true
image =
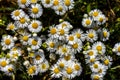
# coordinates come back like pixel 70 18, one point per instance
pixel 95 13
pixel 56 71
pixel 96 76
pixel 22 22
pixel 117 49
pixel 25 37
pixel 7 41
pixel 91 35
pixel 87 22
pixel 101 19
pixel 95 66
pixel 47 3
pixel 23 3
pixel 53 32
pixel 78 33
pixel 66 24
pixel 44 66
pixel 64 50
pixel 36 10
pixel 102 70
pixel 90 60
pixel 71 39
pixel 56 3
pixel 38 57
pixel 91 53
pixel 100 47
pixel 17 14
pixel 69 70
pixel 77 68
pixel 107 61
pixel 35 43
pixel 11 26
pixel 69 4
pixel 68 57
pixel 32 70
pixel 76 46
pixel 3 63
pixel 61 63
pixel 35 26
pixel 9 69
pixel 52 44
pixel 105 34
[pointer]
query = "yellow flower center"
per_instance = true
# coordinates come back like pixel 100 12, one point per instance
pixel 7 41
pixel 60 8
pixel 53 31
pixel 78 35
pixel 67 2
pixel 34 42
pixel 95 14
pixel 90 53
pixel 71 38
pixel 106 62
pixel 15 55
pixel 62 32
pixel 95 65
pixel 92 60
pixel 35 10
pixel 17 13
pixel 68 57
pixel 30 71
pixel 3 63
pixel 99 48
pixel 96 77
pixel 52 44
pixel 43 66
pixel 34 25
pixel 61 65
pixel 11 26
pixel 25 38
pixel 91 35
pixel 31 54
pixel 105 34
pixel 64 25
pixel 88 22
pixel 77 67
pixel 22 20
pixel 64 50
pixel 37 57
pixel 23 1
pixel 100 71
pixel 56 2
pixel 119 49
pixel 56 70
pixel 47 1
pixel 33 1
pixel 69 70
pixel 101 19
pixel 75 45
pixel 10 69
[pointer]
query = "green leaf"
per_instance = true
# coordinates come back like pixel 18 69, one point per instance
pixel 88 8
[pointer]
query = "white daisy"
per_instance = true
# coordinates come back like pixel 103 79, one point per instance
pixel 90 60
pixel 69 4
pixel 91 35
pixel 117 49
pixel 23 3
pixel 35 26
pixel 17 14
pixel 38 57
pixel 3 63
pixel 22 22
pixel 102 70
pixel 101 19
pixel 91 53
pixel 68 57
pixel 47 3
pixel 78 33
pixel 33 1
pixel 36 10
pixel 11 26
pixel 32 70
pixel 66 24
pixel 71 39
pixel 7 41
pixel 107 61
pixel 55 71
pixel 100 47
pixel 87 22
pixel 61 63
pixel 56 3
pixel 105 34
pixel 35 43
pixel 77 68
pixel 95 66
pixel 44 66
pixel 96 76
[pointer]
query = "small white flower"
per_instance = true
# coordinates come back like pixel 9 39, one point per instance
pixel 32 70
pixel 47 3
pixel 95 66
pixel 96 77
pixel 105 34
pixel 69 4
pixel 44 66
pixel 11 26
pixel 3 63
pixel 101 19
pixel 87 22
pixel 23 3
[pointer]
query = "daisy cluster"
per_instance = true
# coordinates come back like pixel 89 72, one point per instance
pixel 59 6
pixel 66 44
pixel 24 40
pixel 95 51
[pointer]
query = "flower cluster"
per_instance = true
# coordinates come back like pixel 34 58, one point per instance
pixel 66 45
pixel 59 6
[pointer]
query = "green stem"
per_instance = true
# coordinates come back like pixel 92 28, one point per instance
pixel 13 77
